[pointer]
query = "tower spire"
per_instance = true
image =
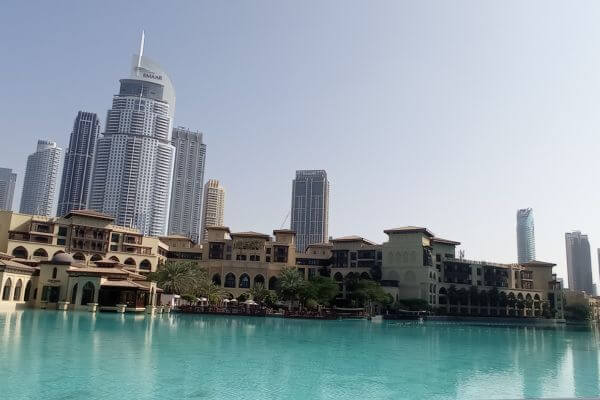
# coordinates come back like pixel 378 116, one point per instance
pixel 141 52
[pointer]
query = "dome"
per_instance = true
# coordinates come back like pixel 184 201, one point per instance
pixel 62 258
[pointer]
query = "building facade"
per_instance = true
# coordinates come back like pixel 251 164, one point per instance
pixel 525 235
pixel 8 179
pixel 39 185
pixel 213 207
pixel 63 283
pixel 239 261
pixel 310 208
pixel 185 214
pixel 134 159
pixel 86 235
pixel 78 164
pixel 419 265
pixel 579 262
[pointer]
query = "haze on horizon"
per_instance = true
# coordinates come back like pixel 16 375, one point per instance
pixel 438 114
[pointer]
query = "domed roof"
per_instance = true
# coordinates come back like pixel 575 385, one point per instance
pixel 62 258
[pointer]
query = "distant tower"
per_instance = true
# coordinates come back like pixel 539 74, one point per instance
pixel 39 185
pixel 7 188
pixel 310 207
pixel 525 235
pixel 214 205
pixel 188 180
pixel 79 159
pixel 579 263
pixel 134 159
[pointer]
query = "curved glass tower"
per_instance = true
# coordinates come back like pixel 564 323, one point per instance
pixel 525 235
pixel 134 158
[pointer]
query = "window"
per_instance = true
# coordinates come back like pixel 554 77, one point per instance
pixel 268 250
pixel 478 271
pixel 438 257
pixel 268 259
pixel 6 290
pixel 54 273
pixel 62 231
pixel 353 256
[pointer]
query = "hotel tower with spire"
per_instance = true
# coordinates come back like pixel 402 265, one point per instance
pixel 134 160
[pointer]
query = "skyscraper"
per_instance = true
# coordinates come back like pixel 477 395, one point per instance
pixel 310 207
pixel 79 159
pixel 7 188
pixel 579 263
pixel 213 208
pixel 39 185
pixel 134 159
pixel 525 235
pixel 185 212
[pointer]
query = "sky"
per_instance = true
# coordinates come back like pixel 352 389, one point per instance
pixel 445 114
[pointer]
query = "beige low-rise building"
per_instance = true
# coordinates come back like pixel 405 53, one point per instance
pixel 419 265
pixel 87 235
pixel 65 284
pixel 239 261
pixel 573 297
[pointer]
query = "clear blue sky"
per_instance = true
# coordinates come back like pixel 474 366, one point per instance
pixel 448 114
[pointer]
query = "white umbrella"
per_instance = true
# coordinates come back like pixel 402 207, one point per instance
pixel 234 301
pixel 203 299
pixel 225 300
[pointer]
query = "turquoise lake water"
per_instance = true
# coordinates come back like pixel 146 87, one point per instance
pixel 78 355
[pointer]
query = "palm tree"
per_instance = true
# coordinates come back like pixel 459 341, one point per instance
pixel 290 284
pixel 259 293
pixel 208 289
pixel 178 277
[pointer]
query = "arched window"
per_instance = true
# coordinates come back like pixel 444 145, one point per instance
pixel 259 279
pixel 58 252
pixel 96 257
pixel 145 264
pixel 27 291
pixel 273 282
pixel 244 281
pixel 79 257
pixel 6 290
pixel 130 261
pixel 114 258
pixel 35 293
pixel 74 294
pixel 54 273
pixel 87 294
pixel 20 252
pixel 338 277
pixel 216 279
pixel 230 280
pixel 40 253
pixel 18 286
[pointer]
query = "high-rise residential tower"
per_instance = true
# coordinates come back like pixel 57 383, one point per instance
pixel 185 212
pixel 525 235
pixel 213 208
pixel 77 168
pixel 310 207
pixel 39 184
pixel 8 180
pixel 134 158
pixel 579 263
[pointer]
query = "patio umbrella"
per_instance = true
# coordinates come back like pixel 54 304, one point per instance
pixel 203 299
pixel 225 300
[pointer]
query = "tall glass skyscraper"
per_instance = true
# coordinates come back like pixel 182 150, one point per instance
pixel 579 262
pixel 525 235
pixel 188 180
pixel 134 158
pixel 310 207
pixel 79 159
pixel 8 180
pixel 41 174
